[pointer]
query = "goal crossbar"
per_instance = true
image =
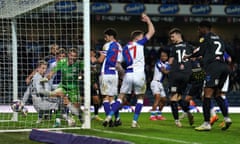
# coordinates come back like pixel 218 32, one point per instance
pixel 12 8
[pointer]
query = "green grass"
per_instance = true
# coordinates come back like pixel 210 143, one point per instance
pixel 150 132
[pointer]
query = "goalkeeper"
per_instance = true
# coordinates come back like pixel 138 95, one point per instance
pixel 41 102
pixel 69 88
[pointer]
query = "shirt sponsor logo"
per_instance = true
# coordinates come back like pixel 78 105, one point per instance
pixel 134 8
pixel 100 7
pixel 65 6
pixel 168 9
pixel 232 10
pixel 200 9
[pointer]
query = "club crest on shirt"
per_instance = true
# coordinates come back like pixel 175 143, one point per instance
pixel 201 40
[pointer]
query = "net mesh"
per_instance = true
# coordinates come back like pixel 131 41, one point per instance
pixel 39 24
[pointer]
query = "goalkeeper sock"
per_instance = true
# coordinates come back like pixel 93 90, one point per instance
pixel 73 109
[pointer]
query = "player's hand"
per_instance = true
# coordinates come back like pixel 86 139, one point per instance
pixel 28 81
pixel 144 17
pixel 43 80
pixel 93 59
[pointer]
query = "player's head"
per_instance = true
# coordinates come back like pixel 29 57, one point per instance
pixel 72 56
pixel 110 34
pixel 42 66
pixel 175 35
pixel 163 55
pixel 53 49
pixel 136 35
pixel 204 27
pixel 61 53
pixel 92 52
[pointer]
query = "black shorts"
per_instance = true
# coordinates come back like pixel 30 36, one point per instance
pixel 196 89
pixel 216 74
pixel 178 82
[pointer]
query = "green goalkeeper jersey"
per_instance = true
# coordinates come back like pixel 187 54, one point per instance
pixel 69 76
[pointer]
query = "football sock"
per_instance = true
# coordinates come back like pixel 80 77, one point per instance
pixel 153 113
pixel 159 113
pixel 116 106
pixel 174 107
pixel 221 103
pixel 106 106
pixel 212 111
pixel 115 109
pixel 73 109
pixel 40 114
pixel 185 105
pixel 138 109
pixel 206 109
pixel 117 116
pixel 96 107
pixel 226 102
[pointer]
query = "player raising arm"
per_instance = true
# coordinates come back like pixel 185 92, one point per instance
pixel 134 78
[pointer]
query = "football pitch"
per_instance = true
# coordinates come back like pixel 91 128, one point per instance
pixel 150 132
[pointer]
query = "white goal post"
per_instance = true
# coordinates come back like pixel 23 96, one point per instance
pixel 28 28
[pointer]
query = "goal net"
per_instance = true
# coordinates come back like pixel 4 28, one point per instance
pixel 29 32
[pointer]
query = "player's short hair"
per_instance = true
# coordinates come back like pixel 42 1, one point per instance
pixel 205 24
pixel 54 46
pixel 135 33
pixel 164 50
pixel 175 30
pixel 110 32
pixel 61 51
pixel 74 50
pixel 42 62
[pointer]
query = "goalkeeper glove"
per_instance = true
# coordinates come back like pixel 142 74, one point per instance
pixel 43 80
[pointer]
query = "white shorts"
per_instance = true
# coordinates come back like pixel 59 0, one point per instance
pixel 109 85
pixel 157 88
pixel 133 81
pixel 226 85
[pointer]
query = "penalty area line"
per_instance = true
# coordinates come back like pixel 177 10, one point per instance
pixel 147 137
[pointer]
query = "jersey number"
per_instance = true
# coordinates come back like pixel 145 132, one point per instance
pixel 181 55
pixel 134 48
pixel 218 50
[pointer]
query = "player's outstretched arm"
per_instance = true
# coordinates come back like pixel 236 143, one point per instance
pixel 151 29
pixel 29 78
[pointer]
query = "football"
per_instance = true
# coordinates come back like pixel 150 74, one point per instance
pixel 17 106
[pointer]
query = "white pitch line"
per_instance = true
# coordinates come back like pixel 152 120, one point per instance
pixel 148 137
